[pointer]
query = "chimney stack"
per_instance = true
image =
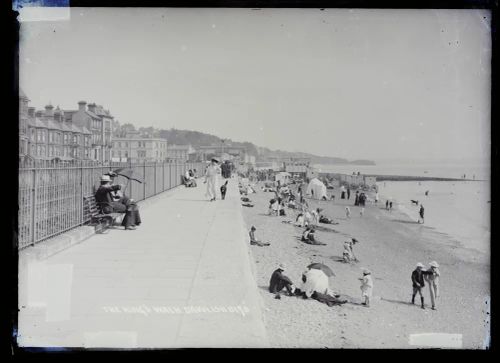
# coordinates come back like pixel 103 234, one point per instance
pixel 91 107
pixel 31 111
pixel 81 105
pixel 49 110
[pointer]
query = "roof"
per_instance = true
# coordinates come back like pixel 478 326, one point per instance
pixel 22 95
pixel 137 139
pixel 36 122
pixel 53 125
pixel 91 114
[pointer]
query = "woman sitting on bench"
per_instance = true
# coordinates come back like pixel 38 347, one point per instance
pixel 105 201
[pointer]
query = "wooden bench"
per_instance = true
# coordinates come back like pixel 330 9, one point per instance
pixel 101 221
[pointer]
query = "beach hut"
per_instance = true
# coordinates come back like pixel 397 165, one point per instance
pixel 316 189
pixel 283 177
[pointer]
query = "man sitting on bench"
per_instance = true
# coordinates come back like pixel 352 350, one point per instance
pixel 106 202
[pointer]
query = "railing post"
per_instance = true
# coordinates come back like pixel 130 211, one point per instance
pixel 156 163
pixel 81 195
pixel 163 176
pixel 33 209
pixel 144 189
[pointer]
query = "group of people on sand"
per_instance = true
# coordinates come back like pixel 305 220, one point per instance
pixel 418 278
pixel 315 284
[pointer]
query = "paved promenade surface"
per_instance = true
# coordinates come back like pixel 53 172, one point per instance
pixel 182 279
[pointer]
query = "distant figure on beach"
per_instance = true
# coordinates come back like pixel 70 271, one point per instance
pixel 417 279
pixel 342 192
pixel 299 195
pixel 348 254
pixel 362 211
pixel 348 192
pixel 432 279
pixel 223 190
pixel 273 207
pixel 347 212
pixel 282 209
pixel 387 204
pixel 254 241
pixel 376 198
pixel 279 281
pixel 366 287
pixel 356 198
pixel 315 216
pixel 300 221
pixel 390 206
pixel 414 201
pixel 421 213
pixel 426 193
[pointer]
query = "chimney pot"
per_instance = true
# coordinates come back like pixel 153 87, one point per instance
pixel 81 105
pixel 31 111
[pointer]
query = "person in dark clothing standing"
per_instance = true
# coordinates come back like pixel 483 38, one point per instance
pixel 421 213
pixel 356 198
pixel 279 281
pixel 223 190
pixel 417 279
pixel 348 192
pixel 105 200
pixel 387 204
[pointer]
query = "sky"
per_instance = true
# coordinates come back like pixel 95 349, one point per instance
pixel 358 84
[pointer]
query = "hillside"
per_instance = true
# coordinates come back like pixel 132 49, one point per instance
pixel 196 138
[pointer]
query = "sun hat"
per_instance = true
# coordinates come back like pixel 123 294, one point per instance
pixel 253 227
pixel 420 265
pixel 366 271
pixel 354 240
pixel 105 178
pixel 434 264
pixel 282 266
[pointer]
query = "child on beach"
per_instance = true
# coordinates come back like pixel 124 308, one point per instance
pixel 254 241
pixel 361 212
pixel 348 254
pixel 366 287
pixel 347 212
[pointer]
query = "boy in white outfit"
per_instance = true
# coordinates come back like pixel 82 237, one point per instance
pixel 366 287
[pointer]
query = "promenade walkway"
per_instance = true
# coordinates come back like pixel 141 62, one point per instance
pixel 182 279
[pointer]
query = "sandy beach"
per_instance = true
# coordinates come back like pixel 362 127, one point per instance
pixel 390 245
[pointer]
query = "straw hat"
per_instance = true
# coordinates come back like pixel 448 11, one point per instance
pixel 105 178
pixel 282 266
pixel 420 265
pixel 366 271
pixel 434 264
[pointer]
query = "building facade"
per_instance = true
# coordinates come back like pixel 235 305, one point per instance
pixel 49 134
pixel 180 153
pixel 139 149
pixel 99 122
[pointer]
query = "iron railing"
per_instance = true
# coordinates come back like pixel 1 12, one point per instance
pixel 51 195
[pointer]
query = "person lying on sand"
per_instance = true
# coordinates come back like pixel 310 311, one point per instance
pixel 254 241
pixel 326 220
pixel 279 281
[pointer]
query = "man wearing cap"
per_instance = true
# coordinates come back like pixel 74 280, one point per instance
pixel 211 178
pixel 417 278
pixel 432 278
pixel 105 200
pixel 279 281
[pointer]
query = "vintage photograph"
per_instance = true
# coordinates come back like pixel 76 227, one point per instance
pixel 254 178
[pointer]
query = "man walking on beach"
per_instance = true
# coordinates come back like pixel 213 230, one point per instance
pixel 433 279
pixel 421 213
pixel 417 278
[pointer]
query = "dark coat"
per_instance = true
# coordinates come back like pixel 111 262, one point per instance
pixel 278 281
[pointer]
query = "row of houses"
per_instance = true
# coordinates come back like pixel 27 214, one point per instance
pixel 86 134
pixel 51 133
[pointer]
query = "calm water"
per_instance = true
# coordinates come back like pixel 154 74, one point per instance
pixel 460 209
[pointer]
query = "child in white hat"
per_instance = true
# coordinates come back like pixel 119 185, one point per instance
pixel 366 287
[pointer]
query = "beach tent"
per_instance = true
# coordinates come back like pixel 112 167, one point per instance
pixel 317 189
pixel 284 177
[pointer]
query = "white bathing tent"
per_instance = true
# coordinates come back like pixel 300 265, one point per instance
pixel 316 189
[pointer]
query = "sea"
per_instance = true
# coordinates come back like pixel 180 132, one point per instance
pixel 460 209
